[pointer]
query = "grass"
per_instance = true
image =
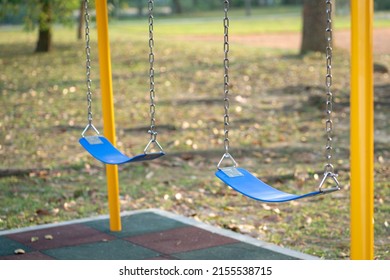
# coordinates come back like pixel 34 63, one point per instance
pixel 276 131
pixel 261 21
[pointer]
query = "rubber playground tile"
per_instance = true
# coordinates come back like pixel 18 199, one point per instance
pixel 145 236
pixel 61 236
pixel 180 240
pixel 109 250
pixel 28 256
pixel 137 225
pixel 8 246
pixel 164 257
pixel 236 251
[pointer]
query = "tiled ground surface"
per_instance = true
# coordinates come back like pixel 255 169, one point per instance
pixel 144 236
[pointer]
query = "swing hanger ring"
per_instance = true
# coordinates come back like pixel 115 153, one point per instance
pixel 227 156
pixel 88 127
pixel 329 167
pixel 153 135
pixel 333 177
pixel 155 142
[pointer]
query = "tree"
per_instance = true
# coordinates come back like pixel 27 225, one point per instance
pixel 45 20
pixel 42 14
pixel 140 6
pixel 80 27
pixel 248 7
pixel 314 25
pixel 177 8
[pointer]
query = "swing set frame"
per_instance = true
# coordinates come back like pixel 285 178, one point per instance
pixel 361 125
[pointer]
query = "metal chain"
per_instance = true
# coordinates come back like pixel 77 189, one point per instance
pixel 88 63
pixel 152 132
pixel 226 85
pixel 226 77
pixel 329 94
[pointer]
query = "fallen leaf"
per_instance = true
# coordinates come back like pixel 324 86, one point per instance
pixel 149 175
pixel 19 251
pixel 34 238
pixel 272 218
pixel 266 207
pixel 48 237
pixel 232 227
pixel 69 205
pixel 42 212
pixel 187 156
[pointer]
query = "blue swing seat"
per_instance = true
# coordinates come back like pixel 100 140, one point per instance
pixel 247 184
pixel 102 149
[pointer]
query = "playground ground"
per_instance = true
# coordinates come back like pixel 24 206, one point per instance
pixel 145 235
pixel 292 40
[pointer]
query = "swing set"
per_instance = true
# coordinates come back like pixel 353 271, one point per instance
pixel 99 146
pixel 239 179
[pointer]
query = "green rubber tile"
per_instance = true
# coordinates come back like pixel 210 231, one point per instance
pixel 28 256
pixel 8 246
pixel 137 224
pixel 111 250
pixel 236 251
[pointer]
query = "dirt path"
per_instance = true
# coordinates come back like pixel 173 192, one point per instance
pixel 293 40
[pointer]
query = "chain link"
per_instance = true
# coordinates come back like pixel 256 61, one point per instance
pixel 329 94
pixel 88 63
pixel 226 87
pixel 152 108
pixel 226 77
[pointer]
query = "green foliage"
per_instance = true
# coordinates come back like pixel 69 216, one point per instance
pixel 382 4
pixel 292 2
pixel 61 11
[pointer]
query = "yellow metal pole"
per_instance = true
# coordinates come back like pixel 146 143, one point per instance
pixel 108 111
pixel 362 131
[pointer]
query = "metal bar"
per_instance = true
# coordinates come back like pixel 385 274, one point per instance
pixel 362 131
pixel 108 111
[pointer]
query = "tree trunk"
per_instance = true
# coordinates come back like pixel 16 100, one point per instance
pixel 80 27
pixel 314 25
pixel 140 6
pixel 177 9
pixel 248 7
pixel 45 33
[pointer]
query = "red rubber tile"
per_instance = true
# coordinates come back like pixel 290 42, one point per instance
pixel 180 240
pixel 163 257
pixel 69 235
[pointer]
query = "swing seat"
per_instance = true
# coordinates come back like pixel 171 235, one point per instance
pixel 102 149
pixel 249 185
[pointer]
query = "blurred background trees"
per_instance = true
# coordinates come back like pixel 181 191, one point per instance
pixel 42 14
